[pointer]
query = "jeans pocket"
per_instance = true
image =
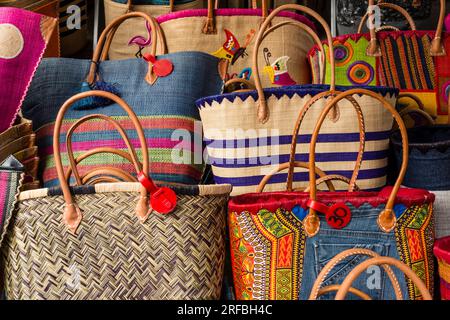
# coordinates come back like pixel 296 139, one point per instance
pixel 372 281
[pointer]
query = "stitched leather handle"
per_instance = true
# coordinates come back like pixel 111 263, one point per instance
pixel 359 269
pixel 437 47
pixel 130 5
pixel 392 6
pixel 333 177
pixel 72 214
pixel 301 116
pixel 315 291
pixel 105 41
pixel 210 25
pixel 387 218
pixel 263 110
pixel 297 164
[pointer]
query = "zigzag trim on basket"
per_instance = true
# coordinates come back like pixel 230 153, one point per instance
pixel 290 91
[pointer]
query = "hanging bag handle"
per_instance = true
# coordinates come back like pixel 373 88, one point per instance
pixel 210 25
pixel 73 162
pixel 263 110
pixel 297 164
pixel 386 219
pixel 377 261
pixel 316 290
pixel 411 110
pixel 392 6
pixel 72 215
pixel 437 47
pixel 106 37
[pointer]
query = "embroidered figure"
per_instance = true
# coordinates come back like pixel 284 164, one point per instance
pixel 141 42
pixel 231 49
pixel 278 71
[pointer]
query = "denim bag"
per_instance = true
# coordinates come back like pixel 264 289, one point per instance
pixel 162 91
pixel 280 241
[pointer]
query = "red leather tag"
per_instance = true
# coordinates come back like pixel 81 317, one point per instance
pixel 162 68
pixel 164 200
pixel 338 216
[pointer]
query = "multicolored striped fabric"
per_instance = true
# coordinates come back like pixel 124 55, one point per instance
pixel 10 179
pixel 405 63
pixel 242 151
pixel 166 110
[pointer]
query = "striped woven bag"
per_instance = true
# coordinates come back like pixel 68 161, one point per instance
pixel 249 133
pixel 416 62
pixel 111 240
pixel 164 104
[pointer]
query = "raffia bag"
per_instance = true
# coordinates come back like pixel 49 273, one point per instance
pixel 113 9
pixel 104 241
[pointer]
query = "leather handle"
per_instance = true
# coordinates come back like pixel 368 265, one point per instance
pixel 315 291
pixel 130 5
pixel 263 110
pixel 116 125
pixel 93 176
pixel 161 47
pixel 437 47
pixel 210 26
pixel 392 6
pixel 297 164
pixel 308 30
pixel 72 215
pixel 335 288
pixel 92 152
pixel 250 86
pixel 299 121
pixel 333 177
pixel 112 27
pixel 376 261
pixel 387 218
pixel 421 111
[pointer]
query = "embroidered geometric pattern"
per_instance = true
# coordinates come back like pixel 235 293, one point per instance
pixel 414 235
pixel 272 244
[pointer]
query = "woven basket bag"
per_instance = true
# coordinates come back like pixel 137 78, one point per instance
pixel 249 133
pixel 104 241
pixel 114 9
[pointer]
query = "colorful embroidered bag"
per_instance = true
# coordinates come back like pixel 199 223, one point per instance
pixel 280 241
pixel 23 39
pixel 124 241
pixel 164 103
pixel 416 62
pixel 442 253
pixel 121 48
pixel 249 133
pixel 229 34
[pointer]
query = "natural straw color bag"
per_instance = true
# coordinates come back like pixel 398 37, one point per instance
pixel 104 241
pixel 374 260
pixel 114 9
pixel 249 133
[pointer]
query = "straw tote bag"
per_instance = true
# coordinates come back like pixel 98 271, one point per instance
pixel 120 47
pixel 342 290
pixel 247 134
pixel 416 62
pixel 280 241
pixel 229 34
pixel 115 240
pixel 164 104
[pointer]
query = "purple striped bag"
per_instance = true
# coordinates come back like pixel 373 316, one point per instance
pixel 248 134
